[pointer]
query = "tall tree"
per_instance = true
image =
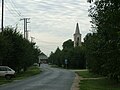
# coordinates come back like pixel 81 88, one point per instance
pixel 75 56
pixel 103 55
pixel 15 51
pixel 68 44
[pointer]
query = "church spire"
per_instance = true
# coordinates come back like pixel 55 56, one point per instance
pixel 77 29
pixel 77 37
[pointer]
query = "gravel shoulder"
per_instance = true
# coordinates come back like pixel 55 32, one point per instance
pixel 75 85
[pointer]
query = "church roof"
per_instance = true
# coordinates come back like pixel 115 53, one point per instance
pixel 77 29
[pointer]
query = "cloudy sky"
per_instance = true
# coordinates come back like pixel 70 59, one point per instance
pixel 51 21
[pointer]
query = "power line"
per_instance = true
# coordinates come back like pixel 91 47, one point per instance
pixel 11 5
pixel 14 5
pixel 15 8
pixel 11 8
pixel 12 15
pixel 10 11
pixel 16 23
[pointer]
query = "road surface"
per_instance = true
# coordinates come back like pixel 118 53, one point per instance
pixel 49 79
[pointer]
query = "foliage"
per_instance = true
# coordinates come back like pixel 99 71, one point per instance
pixel 87 74
pixel 102 46
pixel 68 44
pixel 75 56
pixel 15 51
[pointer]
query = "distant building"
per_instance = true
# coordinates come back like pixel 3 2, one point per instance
pixel 43 58
pixel 77 37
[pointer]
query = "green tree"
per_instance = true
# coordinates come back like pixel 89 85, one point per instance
pixel 102 47
pixel 75 56
pixel 16 51
pixel 5 49
pixel 68 44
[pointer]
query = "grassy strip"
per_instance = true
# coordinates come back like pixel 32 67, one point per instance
pixel 4 81
pixel 96 84
pixel 30 72
pixel 54 66
pixel 87 74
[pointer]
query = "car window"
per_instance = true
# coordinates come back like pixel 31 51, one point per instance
pixel 8 69
pixel 0 69
pixel 3 69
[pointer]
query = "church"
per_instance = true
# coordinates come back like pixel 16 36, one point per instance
pixel 77 37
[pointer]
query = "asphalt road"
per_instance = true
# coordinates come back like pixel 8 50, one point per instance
pixel 49 79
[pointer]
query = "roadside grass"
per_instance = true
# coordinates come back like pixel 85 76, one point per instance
pixel 87 74
pixel 54 66
pixel 34 70
pixel 30 72
pixel 98 84
pixel 4 81
pixel 88 83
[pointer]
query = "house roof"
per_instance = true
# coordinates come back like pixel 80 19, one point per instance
pixel 43 56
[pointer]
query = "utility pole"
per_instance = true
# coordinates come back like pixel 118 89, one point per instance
pixel 32 39
pixel 25 27
pixel 2 15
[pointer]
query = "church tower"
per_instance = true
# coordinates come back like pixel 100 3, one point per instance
pixel 77 37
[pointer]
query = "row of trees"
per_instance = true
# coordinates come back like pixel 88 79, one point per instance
pixel 101 48
pixel 15 51
pixel 75 56
pixel 103 45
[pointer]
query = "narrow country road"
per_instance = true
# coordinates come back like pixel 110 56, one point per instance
pixel 49 79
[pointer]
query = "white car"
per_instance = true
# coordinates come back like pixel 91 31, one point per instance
pixel 6 72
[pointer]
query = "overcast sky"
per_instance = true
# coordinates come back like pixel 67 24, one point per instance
pixel 51 21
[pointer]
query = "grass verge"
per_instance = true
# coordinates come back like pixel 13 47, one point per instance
pixel 96 84
pixel 87 74
pixel 4 81
pixel 34 70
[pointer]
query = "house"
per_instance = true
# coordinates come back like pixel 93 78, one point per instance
pixel 43 58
